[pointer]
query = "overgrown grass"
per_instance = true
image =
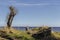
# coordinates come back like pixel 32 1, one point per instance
pixel 22 35
pixel 56 35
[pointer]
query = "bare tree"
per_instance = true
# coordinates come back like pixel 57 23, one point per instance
pixel 11 16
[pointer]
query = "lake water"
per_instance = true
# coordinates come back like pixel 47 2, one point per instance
pixel 23 28
pixel 56 29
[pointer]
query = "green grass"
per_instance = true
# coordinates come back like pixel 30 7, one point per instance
pixel 22 35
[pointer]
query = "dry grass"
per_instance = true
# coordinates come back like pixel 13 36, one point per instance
pixel 56 35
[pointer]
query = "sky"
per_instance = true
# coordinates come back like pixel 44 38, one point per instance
pixel 31 12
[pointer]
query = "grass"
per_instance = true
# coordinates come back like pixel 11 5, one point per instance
pixel 19 34
pixel 22 35
pixel 56 35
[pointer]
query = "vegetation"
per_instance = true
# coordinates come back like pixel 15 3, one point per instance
pixel 42 33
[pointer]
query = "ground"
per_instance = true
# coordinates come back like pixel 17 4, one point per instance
pixel 24 35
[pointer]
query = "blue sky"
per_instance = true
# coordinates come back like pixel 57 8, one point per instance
pixel 31 12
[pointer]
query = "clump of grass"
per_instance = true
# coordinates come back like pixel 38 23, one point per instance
pixel 18 34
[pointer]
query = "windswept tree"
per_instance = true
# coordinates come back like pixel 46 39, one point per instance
pixel 11 16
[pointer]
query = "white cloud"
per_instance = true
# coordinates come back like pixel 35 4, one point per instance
pixel 26 4
pixel 16 3
pixel 23 4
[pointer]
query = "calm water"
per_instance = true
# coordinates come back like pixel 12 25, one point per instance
pixel 23 28
pixel 56 29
